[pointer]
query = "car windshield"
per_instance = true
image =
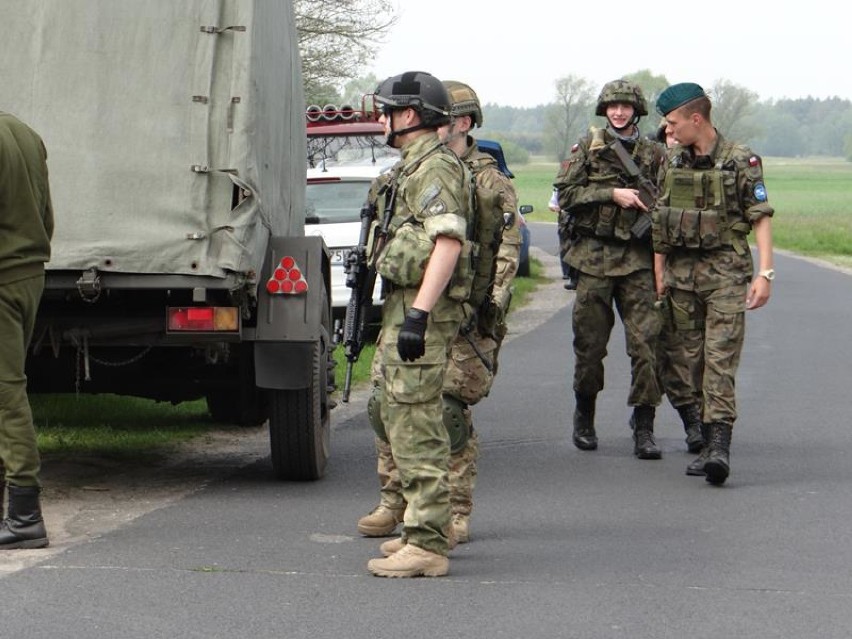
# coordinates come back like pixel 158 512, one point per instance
pixel 334 202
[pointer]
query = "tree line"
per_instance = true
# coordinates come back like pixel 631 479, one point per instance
pixel 337 40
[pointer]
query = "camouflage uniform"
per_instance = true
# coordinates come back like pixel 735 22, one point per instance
pixel 467 378
pixel 708 286
pixel 614 267
pixel 432 199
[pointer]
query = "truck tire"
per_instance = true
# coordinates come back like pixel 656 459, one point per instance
pixel 299 420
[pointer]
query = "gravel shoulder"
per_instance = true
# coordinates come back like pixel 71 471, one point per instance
pixel 87 497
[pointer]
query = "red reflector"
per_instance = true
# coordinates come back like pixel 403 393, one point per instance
pixel 280 274
pixel 295 274
pixel 301 286
pixel 286 286
pixel 288 262
pixel 273 286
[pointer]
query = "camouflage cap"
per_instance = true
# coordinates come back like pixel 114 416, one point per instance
pixel 621 91
pixel 677 95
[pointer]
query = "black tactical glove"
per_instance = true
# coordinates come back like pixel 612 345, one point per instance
pixel 412 343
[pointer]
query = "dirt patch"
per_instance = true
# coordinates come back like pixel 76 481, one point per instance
pixel 86 497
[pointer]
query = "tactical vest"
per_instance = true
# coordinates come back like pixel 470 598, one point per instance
pixel 606 220
pixel 703 211
pixel 405 254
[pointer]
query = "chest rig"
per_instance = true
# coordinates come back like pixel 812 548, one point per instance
pixel 703 209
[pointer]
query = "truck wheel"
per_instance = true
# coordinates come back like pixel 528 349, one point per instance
pixel 299 424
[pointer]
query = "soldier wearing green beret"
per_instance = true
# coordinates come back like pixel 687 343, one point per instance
pixel 423 257
pixel 614 262
pixel 713 196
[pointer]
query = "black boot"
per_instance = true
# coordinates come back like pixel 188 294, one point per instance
pixel 584 423
pixel 696 466
pixel 690 415
pixel 718 465
pixel 24 526
pixel 642 423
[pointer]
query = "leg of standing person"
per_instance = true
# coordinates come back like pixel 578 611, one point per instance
pixel 634 299
pixel 592 321
pixel 23 526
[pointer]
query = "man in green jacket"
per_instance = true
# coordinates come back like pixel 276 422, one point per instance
pixel 26 225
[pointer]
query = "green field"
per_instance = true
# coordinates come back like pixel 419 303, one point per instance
pixel 812 199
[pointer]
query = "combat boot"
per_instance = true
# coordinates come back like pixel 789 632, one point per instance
pixel 642 423
pixel 393 546
pixel 23 527
pixel 584 422
pixel 690 415
pixel 410 561
pixel 461 527
pixel 718 465
pixel 695 468
pixel 381 522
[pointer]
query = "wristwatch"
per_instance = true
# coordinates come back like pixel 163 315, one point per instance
pixel 769 274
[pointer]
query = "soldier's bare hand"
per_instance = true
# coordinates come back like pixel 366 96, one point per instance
pixel 628 199
pixel 758 293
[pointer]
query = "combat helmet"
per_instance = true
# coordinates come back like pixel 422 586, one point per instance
pixel 420 91
pixel 464 101
pixel 622 91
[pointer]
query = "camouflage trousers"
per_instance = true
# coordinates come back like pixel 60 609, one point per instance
pixel 677 377
pixel 593 319
pixel 411 411
pixel 468 379
pixel 18 450
pixel 711 331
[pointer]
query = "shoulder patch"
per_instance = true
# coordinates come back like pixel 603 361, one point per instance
pixel 575 147
pixel 753 161
pixel 760 192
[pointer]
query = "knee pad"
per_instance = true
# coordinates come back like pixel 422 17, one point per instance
pixel 374 414
pixel 455 421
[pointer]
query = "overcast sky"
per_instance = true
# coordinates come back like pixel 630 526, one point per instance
pixel 514 51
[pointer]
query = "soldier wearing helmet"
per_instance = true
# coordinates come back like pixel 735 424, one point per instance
pixel 473 361
pixel 713 195
pixel 422 255
pixel 614 261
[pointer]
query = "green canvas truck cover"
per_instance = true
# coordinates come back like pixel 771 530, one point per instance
pixel 151 112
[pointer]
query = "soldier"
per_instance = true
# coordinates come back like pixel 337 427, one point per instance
pixel 614 260
pixel 677 378
pixel 703 261
pixel 27 220
pixel 426 276
pixel 473 361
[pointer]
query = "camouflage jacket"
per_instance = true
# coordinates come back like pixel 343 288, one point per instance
pixel 745 201
pixel 585 190
pixel 431 190
pixel 484 169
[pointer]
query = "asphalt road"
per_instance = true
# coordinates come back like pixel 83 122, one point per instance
pixel 564 543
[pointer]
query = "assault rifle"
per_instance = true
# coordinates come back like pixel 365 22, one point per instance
pixel 648 191
pixel 361 278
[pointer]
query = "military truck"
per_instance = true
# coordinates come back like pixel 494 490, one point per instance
pixel 176 143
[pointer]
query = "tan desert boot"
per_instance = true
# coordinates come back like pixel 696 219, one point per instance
pixel 381 522
pixel 410 561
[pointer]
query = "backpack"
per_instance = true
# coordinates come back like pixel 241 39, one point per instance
pixel 485 235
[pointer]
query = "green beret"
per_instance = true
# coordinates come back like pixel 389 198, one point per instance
pixel 677 95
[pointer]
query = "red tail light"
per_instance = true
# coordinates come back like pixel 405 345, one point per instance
pixel 204 319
